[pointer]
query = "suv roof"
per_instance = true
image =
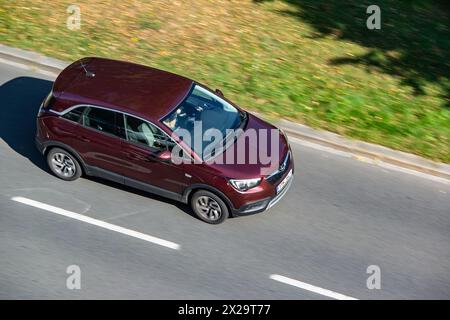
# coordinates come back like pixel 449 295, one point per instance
pixel 144 91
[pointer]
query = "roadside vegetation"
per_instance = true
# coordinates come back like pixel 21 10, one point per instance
pixel 311 61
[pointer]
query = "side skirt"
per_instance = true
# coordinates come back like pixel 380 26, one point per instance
pixel 108 175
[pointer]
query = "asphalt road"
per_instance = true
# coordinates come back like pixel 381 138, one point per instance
pixel 340 216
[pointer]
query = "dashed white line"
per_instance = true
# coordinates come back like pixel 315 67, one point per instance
pixel 99 223
pixel 309 287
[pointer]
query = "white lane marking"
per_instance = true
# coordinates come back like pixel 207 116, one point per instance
pixel 96 222
pixel 309 287
pixel 379 163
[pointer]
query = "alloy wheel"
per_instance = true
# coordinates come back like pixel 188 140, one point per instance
pixel 208 208
pixel 63 165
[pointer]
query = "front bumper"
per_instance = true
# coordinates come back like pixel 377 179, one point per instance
pixel 281 194
pixel 264 204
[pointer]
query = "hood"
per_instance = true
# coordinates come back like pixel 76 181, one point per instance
pixel 252 159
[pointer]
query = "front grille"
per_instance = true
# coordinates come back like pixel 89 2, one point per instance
pixel 284 165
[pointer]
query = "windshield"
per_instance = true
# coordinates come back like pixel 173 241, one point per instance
pixel 202 107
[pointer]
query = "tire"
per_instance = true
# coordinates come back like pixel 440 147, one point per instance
pixel 209 207
pixel 63 164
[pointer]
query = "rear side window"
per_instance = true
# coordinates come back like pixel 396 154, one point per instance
pixel 75 114
pixel 100 119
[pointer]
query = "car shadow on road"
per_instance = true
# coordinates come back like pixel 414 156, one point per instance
pixel 183 207
pixel 20 100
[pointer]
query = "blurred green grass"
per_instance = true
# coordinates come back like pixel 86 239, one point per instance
pixel 313 62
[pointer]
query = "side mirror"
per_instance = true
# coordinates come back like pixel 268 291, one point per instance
pixel 165 155
pixel 219 93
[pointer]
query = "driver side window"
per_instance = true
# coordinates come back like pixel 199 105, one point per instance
pixel 144 133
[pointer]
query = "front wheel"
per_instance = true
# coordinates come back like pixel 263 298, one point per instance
pixel 63 164
pixel 209 207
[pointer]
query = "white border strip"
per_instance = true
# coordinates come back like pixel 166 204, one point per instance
pixel 309 287
pixel 379 163
pixel 99 223
pixel 28 68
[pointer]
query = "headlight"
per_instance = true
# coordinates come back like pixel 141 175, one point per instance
pixel 245 184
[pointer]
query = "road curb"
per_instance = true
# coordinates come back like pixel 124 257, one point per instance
pixel 358 148
pixel 31 59
pixel 362 149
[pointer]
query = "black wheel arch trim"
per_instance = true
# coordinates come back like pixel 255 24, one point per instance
pixel 201 186
pixel 51 144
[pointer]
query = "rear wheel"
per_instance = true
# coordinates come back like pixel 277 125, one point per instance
pixel 209 207
pixel 63 165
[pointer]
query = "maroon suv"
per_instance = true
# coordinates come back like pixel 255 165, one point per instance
pixel 163 133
